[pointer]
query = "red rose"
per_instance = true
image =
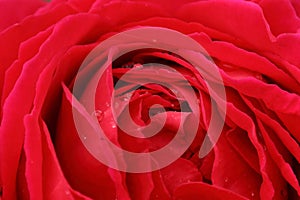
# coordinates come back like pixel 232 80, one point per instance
pixel 44 153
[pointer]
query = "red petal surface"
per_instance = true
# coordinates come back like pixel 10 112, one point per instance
pixel 194 191
pixel 14 11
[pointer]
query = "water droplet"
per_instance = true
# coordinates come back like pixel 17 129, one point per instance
pixel 84 137
pixel 172 105
pixel 126 97
pixel 107 104
pixel 252 194
pixel 283 192
pixel 171 70
pixel 194 79
pixel 116 105
pixel 259 134
pixel 127 65
pixel 99 115
pixel 138 66
pixel 113 126
pixel 154 40
pixel 67 192
pixel 226 179
pixel 265 148
pixel 258 76
pixel 175 91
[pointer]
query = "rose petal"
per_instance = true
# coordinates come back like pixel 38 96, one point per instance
pixel 32 148
pixel 286 48
pixel 179 172
pixel 283 166
pixel 285 105
pixel 204 191
pixel 283 135
pixel 207 166
pixel 140 186
pixel 251 28
pixel 42 170
pixel 84 172
pixel 21 183
pixel 246 151
pixel 278 152
pixel 11 15
pixel 245 122
pixel 160 191
pixel 28 49
pixel 37 174
pixel 242 60
pixel 281 16
pixel 11 39
pixel 247 23
pixel 82 6
pixel 20 100
pixel 242 180
pixel 183 27
pixel 296 5
pixel 125 12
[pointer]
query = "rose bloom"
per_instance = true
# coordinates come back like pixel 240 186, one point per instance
pixel 255 45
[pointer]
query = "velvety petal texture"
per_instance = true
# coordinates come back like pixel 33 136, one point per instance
pixel 11 15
